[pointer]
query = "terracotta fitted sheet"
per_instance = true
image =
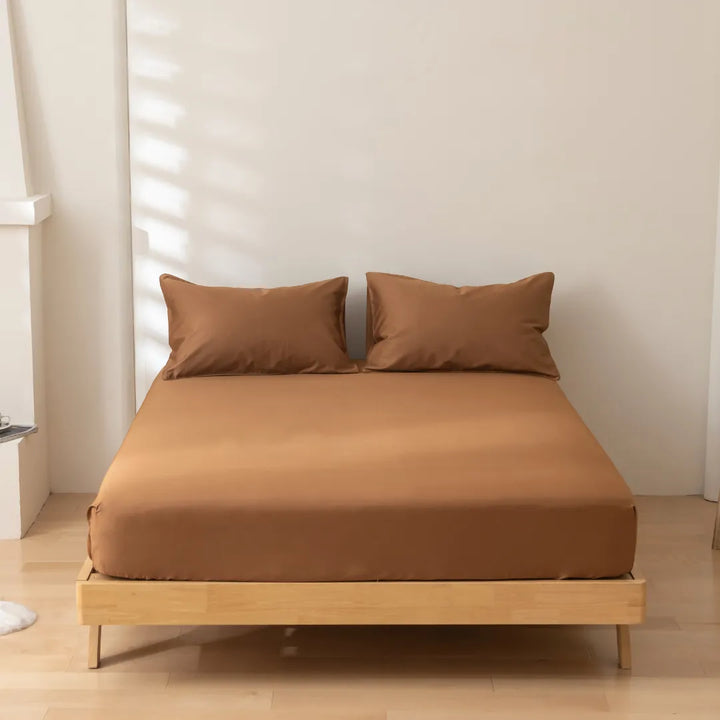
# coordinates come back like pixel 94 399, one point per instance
pixel 374 476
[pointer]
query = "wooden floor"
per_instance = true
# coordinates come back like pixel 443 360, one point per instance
pixel 400 673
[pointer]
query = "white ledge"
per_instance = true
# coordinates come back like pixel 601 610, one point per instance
pixel 25 211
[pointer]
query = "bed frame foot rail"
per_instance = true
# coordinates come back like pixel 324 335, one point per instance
pixel 623 645
pixel 103 600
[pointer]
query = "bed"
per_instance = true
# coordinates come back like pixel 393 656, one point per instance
pixel 408 498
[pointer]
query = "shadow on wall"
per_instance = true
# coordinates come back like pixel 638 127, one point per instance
pixel 211 180
pixel 605 392
pixel 188 181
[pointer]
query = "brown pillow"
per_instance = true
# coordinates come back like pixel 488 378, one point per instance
pixel 419 325
pixel 237 331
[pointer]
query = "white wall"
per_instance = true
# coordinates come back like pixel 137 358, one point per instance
pixel 467 142
pixel 463 141
pixel 72 63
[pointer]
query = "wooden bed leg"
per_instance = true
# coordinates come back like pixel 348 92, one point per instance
pixel 623 643
pixel 94 646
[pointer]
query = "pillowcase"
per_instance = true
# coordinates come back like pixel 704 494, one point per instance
pixel 237 331
pixel 419 325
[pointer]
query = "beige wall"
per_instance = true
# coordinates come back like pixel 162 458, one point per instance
pixel 72 63
pixel 466 141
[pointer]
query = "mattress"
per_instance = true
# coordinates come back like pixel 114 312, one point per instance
pixel 372 476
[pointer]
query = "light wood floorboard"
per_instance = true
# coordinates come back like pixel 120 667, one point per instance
pixel 367 673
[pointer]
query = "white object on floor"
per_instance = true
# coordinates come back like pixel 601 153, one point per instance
pixel 14 617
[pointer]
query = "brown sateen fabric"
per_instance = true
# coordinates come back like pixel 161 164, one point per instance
pixel 371 476
pixel 418 325
pixel 235 331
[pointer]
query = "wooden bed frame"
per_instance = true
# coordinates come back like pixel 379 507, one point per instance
pixel 105 600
